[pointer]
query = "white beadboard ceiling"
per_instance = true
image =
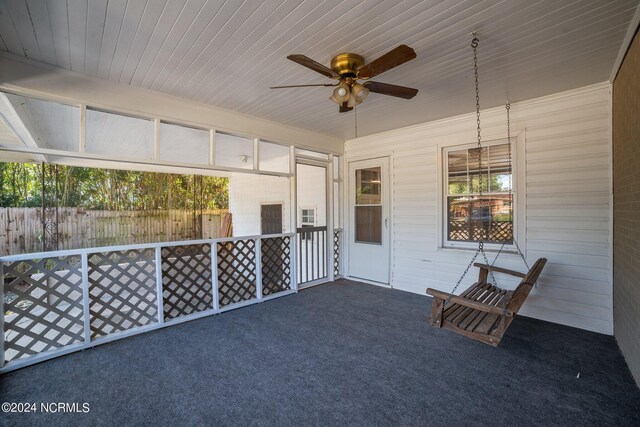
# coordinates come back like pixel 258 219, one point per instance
pixel 228 53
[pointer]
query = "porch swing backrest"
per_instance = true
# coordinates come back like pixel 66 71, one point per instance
pixel 524 287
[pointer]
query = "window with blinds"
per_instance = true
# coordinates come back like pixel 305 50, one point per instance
pixel 469 216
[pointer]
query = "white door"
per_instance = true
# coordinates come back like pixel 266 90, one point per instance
pixel 369 219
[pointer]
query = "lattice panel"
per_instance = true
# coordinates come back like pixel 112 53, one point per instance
pixel 186 280
pixel 336 253
pixel 42 305
pixel 236 271
pixel 122 290
pixel 491 232
pixel 276 265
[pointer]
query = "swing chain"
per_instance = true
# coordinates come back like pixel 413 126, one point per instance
pixel 474 45
pixel 510 159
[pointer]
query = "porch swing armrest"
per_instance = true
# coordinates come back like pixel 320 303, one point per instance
pixel 475 305
pixel 499 269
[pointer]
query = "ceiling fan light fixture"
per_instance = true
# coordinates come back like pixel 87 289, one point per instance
pixel 351 102
pixel 341 93
pixel 359 92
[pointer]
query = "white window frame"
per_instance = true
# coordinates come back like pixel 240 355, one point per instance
pixel 315 216
pixel 516 169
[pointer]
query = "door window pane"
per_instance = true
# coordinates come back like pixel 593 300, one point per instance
pixel 368 186
pixel 368 209
pixel 369 224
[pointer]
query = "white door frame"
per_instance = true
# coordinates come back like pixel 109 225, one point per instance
pixel 346 214
pixel 328 166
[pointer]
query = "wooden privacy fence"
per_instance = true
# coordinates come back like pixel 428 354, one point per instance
pixel 21 229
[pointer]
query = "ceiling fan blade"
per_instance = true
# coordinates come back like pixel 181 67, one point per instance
pixel 289 86
pixel 389 60
pixel 344 108
pixel 315 66
pixel 392 90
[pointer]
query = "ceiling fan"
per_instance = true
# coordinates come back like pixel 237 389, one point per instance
pixel 348 68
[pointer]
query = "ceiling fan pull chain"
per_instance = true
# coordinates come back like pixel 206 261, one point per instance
pixel 355 116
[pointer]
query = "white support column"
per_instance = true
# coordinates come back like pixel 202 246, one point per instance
pixel 83 129
pixel 294 217
pixel 212 147
pixel 256 154
pixel 259 268
pixel 156 139
pixel 159 296
pixel 86 309
pixel 2 315
pixel 330 230
pixel 214 276
pixel 294 261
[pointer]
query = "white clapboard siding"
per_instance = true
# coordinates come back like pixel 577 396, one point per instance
pixel 566 210
pixel 246 195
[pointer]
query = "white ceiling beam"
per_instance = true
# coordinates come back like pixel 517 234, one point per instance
pixel 20 124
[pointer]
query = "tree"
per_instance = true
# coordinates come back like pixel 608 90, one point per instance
pixel 109 189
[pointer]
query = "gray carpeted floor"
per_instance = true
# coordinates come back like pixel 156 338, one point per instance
pixel 344 353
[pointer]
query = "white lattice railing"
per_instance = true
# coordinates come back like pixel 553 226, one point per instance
pixel 337 252
pixel 54 303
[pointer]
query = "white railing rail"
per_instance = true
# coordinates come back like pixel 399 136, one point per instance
pixel 58 302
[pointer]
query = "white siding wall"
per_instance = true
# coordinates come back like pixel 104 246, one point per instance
pixel 564 160
pixel 312 192
pixel 247 192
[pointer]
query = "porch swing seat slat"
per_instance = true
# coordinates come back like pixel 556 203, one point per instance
pixel 484 311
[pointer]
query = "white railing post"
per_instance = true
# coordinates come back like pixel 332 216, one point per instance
pixel 159 296
pixel 86 309
pixel 214 276
pixel 330 224
pixel 294 261
pixel 2 314
pixel 259 268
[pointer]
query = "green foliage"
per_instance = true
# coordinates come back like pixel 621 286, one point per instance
pixel 20 185
pixel 495 183
pixel 106 189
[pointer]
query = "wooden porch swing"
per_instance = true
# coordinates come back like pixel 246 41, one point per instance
pixel 484 311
